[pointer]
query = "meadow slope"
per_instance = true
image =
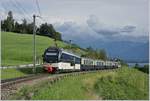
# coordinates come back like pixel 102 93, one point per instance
pixel 18 48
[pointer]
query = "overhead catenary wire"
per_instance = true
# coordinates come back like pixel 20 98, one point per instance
pixel 22 12
pixel 39 11
pixel 3 9
pixel 19 6
pixel 38 7
pixel 6 10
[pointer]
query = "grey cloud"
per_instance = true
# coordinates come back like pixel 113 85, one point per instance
pixel 128 29
pixel 105 30
pixel 100 28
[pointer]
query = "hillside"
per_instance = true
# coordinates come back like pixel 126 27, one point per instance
pixel 18 48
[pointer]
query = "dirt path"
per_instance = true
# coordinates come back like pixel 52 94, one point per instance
pixel 89 82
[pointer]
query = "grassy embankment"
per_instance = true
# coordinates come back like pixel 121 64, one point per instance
pixel 18 72
pixel 18 49
pixel 125 83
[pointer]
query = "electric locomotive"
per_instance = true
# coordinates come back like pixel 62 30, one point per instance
pixel 59 60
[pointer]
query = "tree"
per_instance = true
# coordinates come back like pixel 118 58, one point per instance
pixel 57 36
pixel 89 48
pixel 9 22
pixel 102 54
pixel 3 25
pixel 24 26
pixel 44 30
pixel 29 28
pixel 136 65
pixel 95 54
pixel 47 30
pixel 17 27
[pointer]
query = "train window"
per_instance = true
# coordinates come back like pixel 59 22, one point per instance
pixel 72 63
pixel 51 54
pixel 102 63
pixel 65 57
pixel 50 57
pixel 68 58
pixel 84 61
pixel 98 63
pixel 91 63
pixel 77 60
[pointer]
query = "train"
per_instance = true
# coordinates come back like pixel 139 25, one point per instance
pixel 56 60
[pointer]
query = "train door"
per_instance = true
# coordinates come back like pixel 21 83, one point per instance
pixel 73 63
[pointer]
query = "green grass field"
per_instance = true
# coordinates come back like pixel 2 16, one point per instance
pixel 18 72
pixel 18 48
pixel 11 73
pixel 125 83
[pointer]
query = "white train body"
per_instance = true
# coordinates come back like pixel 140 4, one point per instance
pixel 59 60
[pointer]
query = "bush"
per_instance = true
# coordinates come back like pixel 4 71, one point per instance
pixel 126 84
pixel 144 69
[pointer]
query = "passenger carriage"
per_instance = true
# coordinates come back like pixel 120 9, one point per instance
pixel 99 64
pixel 87 64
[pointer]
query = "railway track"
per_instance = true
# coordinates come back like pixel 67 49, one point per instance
pixel 9 86
pixel 9 82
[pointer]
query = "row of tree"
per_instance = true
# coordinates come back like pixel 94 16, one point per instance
pixel 10 25
pixel 89 52
pixel 95 54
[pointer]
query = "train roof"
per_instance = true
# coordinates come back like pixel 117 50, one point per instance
pixel 69 53
pixel 76 55
pixel 92 59
pixel 64 51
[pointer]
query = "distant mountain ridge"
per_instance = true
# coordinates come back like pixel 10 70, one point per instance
pixel 128 51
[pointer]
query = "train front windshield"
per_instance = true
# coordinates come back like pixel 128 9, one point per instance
pixel 51 56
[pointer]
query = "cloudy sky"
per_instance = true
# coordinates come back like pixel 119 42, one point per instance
pixel 87 21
